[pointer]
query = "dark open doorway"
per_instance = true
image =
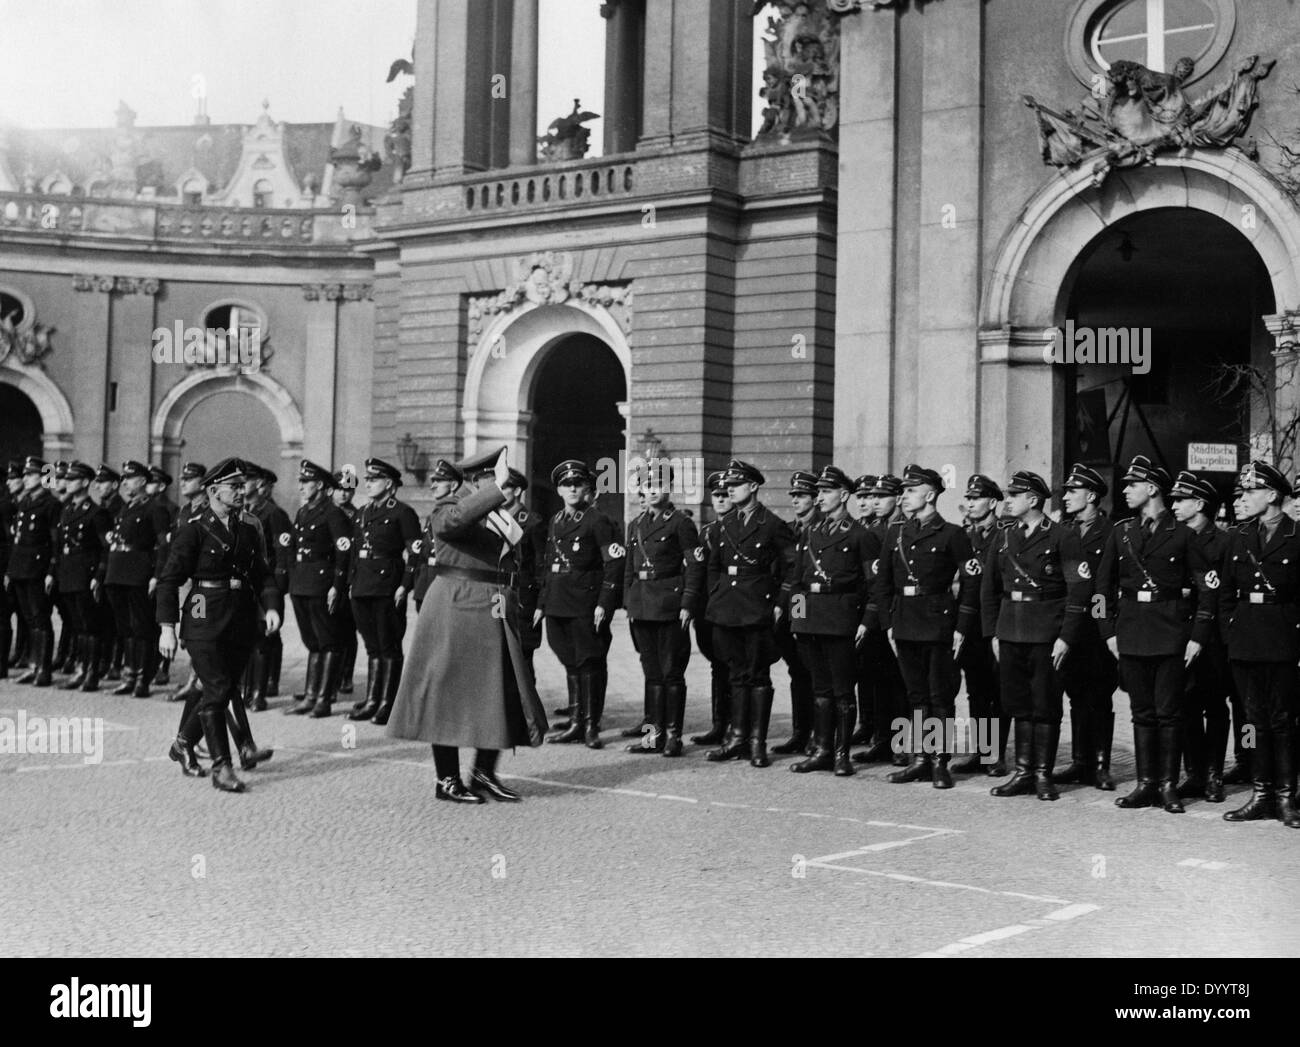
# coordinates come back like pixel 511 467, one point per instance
pixel 21 430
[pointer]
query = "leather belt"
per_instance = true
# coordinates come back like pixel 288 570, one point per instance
pixel 1269 598
pixel 832 588
pixel 1030 596
pixel 650 576
pixel 219 583
pixel 1155 595
pixel 508 579
pixel 926 590
pixel 740 570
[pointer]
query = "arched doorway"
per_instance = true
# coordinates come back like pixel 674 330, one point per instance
pixel 22 433
pixel 1194 290
pixel 233 424
pixel 574 401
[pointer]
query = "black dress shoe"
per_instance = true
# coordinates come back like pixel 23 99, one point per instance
pixel 250 757
pixel 184 755
pixel 483 784
pixel 1214 788
pixel 453 791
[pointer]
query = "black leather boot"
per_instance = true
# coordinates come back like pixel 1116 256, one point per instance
pixel 242 732
pixel 182 752
pixel 392 677
pixel 823 734
pixel 331 665
pixel 649 698
pixel 998 768
pixel 599 680
pixel 1216 746
pixel 1171 759
pixel 801 715
pixel 736 743
pixel 1081 769
pixel 1146 753
pixel 1047 736
pixel 1263 802
pixel 148 657
pixel 1284 779
pixel 114 656
pixel 570 731
pixel 80 663
pixel 35 644
pixel 1104 724
pixel 94 656
pixel 1021 782
pixel 675 707
pixel 259 671
pixel 846 714
pixel 44 656
pixel 349 667
pixel 365 708
pixel 63 650
pixel 214 732
pixel 311 692
pixel 718 692
pixel 656 713
pixel 570 711
pixel 969 762
pixel 760 717
pixel 273 664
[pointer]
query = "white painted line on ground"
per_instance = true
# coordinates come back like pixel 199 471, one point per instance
pixel 974 941
pixel 1204 863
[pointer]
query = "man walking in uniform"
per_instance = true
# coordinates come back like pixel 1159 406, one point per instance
pixel 225 559
pixel 77 568
pixel 156 488
pixel 829 612
pixel 194 502
pixel 581 587
pixel 749 572
pixel 35 524
pixel 1090 672
pixel 1147 581
pixel 662 584
pixel 925 625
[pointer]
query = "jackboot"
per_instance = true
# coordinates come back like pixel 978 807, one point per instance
pixel 801 715
pixel 35 644
pixel 80 658
pixel 760 718
pixel 1171 759
pixel 1284 779
pixel 214 731
pixel 1263 801
pixel 675 706
pixel 242 733
pixel 112 670
pixel 311 692
pixel 846 713
pixel 1216 747
pixel 570 730
pixel 1146 753
pixel 649 698
pixel 998 769
pixel 599 680
pixel 259 670
pixel 736 743
pixel 273 671
pixel 1104 724
pixel 823 754
pixel 182 752
pixel 64 649
pixel 879 751
pixel 365 708
pixel 332 663
pixel 94 656
pixel 1047 736
pixel 652 740
pixel 1082 767
pixel 1192 745
pixel 1021 783
pixel 392 677
pixel 44 654
pixel 146 666
pixel 969 762
pixel 717 710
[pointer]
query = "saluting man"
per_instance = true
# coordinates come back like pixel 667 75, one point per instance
pixel 1034 592
pixel 803 499
pixel 77 568
pixel 1090 672
pixel 1153 626
pixel 662 585
pixel 926 626
pixel 749 571
pixel 719 692
pixel 829 613
pixel 983 689
pixel 35 525
pixel 581 588
pixel 320 555
pixel 385 532
pixel 1258 601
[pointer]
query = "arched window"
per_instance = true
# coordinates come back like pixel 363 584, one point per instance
pixel 1155 33
pixel 12 310
pixel 192 192
pixel 262 193
pixel 236 331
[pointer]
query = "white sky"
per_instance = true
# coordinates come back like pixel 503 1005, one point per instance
pixel 68 62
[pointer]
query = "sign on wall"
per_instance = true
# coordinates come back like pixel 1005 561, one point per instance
pixel 1212 458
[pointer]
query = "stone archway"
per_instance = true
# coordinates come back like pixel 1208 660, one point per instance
pixel 1028 286
pixel 185 395
pixel 55 411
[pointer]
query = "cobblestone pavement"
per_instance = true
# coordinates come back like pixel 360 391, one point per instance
pixel 339 851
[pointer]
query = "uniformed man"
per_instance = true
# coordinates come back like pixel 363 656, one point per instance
pixel 319 558
pixel 69 642
pixel 345 488
pixel 878 664
pixel 224 557
pixel 1209 683
pixel 976 662
pixel 581 588
pixel 662 585
pixel 34 536
pixel 803 500
pixel 140 525
pixel 1034 594
pixel 919 562
pixel 750 571
pixel 1258 604
pixel 77 568
pixel 830 611
pixel 530 553
pixel 193 503
pixel 1147 585
pixel 156 488
pixel 385 531
pixel 444 481
pixel 103 491
pixel 8 510
pixel 277 530
pixel 1239 772
pixel 719 693
pixel 1090 671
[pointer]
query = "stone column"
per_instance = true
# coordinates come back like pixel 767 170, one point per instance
pixel 89 343
pixel 423 100
pixel 321 349
pixel 523 85
pixel 1022 397
pixel 1286 397
pixel 624 33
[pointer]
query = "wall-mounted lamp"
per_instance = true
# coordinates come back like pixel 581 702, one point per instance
pixel 413 460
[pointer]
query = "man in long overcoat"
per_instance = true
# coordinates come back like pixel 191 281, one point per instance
pixel 468 683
